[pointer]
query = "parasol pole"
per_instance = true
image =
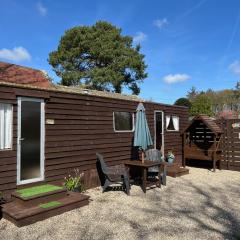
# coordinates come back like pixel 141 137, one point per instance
pixel 142 156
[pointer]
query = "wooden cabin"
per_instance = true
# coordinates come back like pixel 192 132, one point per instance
pixel 201 140
pixel 49 131
pixel 63 128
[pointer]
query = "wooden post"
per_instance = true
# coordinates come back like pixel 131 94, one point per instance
pixel 214 153
pixel 219 155
pixel 142 156
pixel 144 179
pixel 183 150
pixel 219 149
pixel 228 143
pixel 224 143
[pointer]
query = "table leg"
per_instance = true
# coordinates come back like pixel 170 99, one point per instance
pixel 144 180
pixel 159 176
pixel 127 168
pixel 214 165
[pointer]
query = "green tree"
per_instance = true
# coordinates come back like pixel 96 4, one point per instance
pixel 238 86
pixel 183 102
pixel 100 57
pixel 192 93
pixel 201 105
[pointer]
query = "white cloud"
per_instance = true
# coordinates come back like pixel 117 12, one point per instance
pixel 17 54
pixel 235 67
pixel 139 37
pixel 41 9
pixel 174 78
pixel 160 23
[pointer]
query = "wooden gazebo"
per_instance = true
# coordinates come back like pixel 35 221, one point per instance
pixel 201 140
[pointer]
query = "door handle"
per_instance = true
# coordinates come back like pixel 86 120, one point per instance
pixel 21 139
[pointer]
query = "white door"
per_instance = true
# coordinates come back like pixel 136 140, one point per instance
pixel 31 133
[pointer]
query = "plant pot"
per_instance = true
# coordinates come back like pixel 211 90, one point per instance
pixel 1 213
pixel 170 160
pixel 77 189
pixel 2 201
pixel 141 155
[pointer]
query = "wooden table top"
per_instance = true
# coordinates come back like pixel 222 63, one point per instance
pixel 145 164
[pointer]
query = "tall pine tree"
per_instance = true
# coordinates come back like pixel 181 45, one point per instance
pixel 99 57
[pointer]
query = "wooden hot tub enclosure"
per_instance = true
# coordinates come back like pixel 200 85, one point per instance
pixel 64 127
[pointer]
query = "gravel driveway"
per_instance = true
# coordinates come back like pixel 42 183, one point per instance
pixel 201 205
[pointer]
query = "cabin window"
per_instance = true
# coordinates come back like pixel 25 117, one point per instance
pixel 5 126
pixel 123 121
pixel 172 123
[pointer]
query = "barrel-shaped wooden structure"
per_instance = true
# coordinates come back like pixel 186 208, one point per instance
pixel 202 140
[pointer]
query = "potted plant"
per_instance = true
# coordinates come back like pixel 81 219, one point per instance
pixel 74 183
pixel 2 199
pixel 170 157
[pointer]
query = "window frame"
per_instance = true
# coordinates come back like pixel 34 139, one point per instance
pixel 178 123
pixel 124 131
pixel 11 145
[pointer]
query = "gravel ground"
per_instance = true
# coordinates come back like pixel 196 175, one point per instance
pixel 201 205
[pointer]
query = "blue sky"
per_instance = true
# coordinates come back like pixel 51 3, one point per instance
pixel 186 43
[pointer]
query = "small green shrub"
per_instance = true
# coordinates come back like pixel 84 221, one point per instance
pixel 74 183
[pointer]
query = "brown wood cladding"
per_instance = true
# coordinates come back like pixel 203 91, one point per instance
pixel 83 125
pixel 230 145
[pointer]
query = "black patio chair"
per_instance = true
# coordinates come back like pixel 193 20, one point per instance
pixel 113 174
pixel 156 155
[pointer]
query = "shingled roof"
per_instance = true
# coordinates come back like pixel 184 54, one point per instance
pixel 24 77
pixel 208 121
pixel 12 73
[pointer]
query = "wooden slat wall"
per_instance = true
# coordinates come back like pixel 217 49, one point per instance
pixel 230 145
pixel 8 159
pixel 83 126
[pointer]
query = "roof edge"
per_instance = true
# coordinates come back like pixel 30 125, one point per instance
pixel 20 66
pixel 167 104
pixel 69 90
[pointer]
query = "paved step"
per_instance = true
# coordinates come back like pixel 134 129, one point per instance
pixel 177 171
pixel 22 215
pixel 38 198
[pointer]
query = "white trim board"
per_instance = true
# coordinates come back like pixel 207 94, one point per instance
pixel 155 132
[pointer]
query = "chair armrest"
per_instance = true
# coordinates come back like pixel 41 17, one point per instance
pixel 117 169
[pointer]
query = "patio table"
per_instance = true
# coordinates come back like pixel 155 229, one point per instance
pixel 144 168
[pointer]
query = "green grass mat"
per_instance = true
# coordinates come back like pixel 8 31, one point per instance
pixel 49 204
pixel 32 191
